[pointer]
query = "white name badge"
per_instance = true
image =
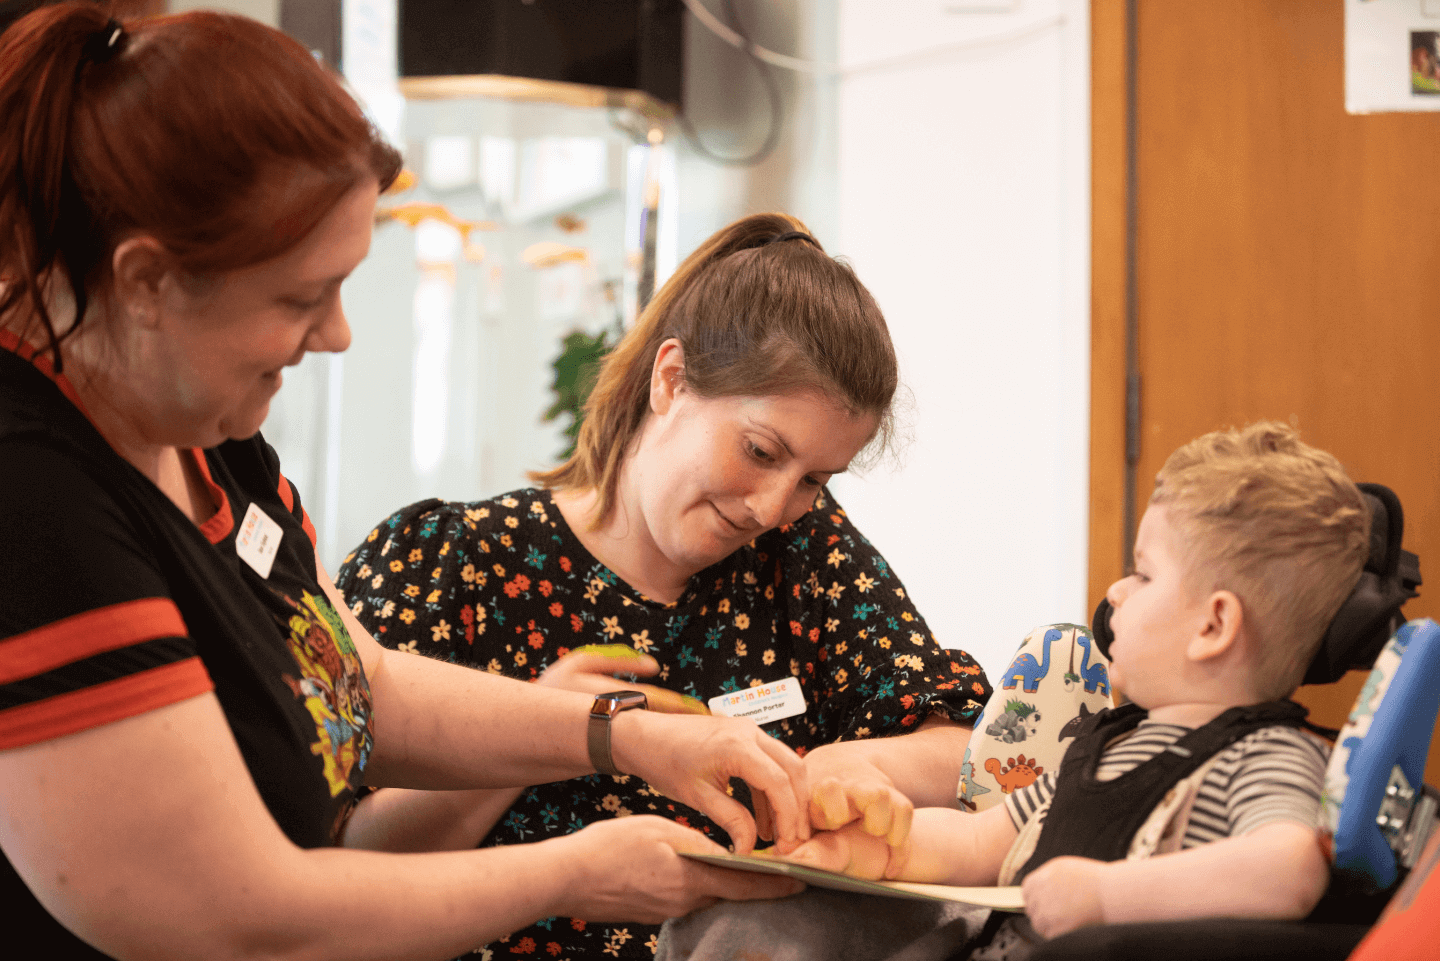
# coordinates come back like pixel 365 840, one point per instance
pixel 773 701
pixel 258 540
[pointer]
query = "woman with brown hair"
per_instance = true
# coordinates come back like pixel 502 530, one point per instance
pixel 693 528
pixel 187 708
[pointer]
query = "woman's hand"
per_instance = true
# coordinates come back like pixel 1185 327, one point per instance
pixel 631 870
pixel 843 787
pixel 692 759
pixel 592 669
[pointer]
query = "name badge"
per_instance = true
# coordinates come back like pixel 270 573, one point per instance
pixel 258 541
pixel 773 701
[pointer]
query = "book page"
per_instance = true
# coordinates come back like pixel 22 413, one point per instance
pixel 996 898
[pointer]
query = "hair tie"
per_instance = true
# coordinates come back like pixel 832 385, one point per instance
pixel 105 42
pixel 794 235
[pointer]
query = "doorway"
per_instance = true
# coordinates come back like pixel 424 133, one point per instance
pixel 1258 253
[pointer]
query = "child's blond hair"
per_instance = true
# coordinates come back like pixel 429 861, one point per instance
pixel 1278 523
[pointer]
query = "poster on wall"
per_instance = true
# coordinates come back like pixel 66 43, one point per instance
pixel 1392 55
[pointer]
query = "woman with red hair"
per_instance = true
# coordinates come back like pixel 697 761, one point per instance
pixel 187 708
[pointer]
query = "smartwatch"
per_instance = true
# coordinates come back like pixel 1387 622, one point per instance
pixel 605 707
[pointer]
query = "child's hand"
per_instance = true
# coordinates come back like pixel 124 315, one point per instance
pixel 1064 894
pixel 844 790
pixel 853 851
pixel 858 792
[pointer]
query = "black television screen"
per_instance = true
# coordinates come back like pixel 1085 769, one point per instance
pixel 624 44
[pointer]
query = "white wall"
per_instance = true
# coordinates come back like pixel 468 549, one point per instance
pixel 948 159
pixel 344 427
pixel 964 207
pixel 266 11
pixel 726 101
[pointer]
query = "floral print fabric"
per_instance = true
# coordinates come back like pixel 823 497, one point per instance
pixel 505 586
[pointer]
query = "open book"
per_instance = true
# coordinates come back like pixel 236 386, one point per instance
pixel 999 899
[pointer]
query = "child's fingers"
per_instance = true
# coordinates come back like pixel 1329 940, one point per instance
pixel 830 805
pixel 876 813
pixel 885 813
pixel 882 810
pixel 828 852
pixel 848 851
pixel 902 817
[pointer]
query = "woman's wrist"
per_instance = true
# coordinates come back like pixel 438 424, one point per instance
pixel 572 874
pixel 628 734
pixel 578 870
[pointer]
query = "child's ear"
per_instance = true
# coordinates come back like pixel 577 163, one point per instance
pixel 1221 630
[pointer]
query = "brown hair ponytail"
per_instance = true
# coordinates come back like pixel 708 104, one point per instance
pixel 760 309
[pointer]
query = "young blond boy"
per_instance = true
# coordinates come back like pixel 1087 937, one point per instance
pixel 1251 542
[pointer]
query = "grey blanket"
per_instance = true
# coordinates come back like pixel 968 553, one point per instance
pixel 822 925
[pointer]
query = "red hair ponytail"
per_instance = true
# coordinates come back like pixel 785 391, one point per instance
pixel 220 137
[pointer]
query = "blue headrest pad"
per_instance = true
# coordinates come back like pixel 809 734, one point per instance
pixel 1400 733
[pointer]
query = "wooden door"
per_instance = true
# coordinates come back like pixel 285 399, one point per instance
pixel 1284 261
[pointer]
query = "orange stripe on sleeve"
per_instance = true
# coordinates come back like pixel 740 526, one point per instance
pixel 84 635
pixel 103 703
pixel 287 497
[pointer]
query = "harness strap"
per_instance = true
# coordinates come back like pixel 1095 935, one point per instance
pixel 1098 819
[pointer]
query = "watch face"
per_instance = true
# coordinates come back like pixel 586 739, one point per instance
pixel 608 705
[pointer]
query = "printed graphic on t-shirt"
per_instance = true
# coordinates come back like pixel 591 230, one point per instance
pixel 333 687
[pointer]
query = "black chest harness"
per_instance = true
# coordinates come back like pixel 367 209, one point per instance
pixel 1098 819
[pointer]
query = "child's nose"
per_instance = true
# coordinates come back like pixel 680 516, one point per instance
pixel 1117 592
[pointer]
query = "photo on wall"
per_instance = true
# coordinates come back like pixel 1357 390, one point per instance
pixel 1424 62
pixel 1392 56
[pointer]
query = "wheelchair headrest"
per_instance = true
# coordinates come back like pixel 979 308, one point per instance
pixel 1372 611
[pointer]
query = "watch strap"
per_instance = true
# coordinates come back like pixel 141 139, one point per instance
pixel 597 734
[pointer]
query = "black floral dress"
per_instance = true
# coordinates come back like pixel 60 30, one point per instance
pixel 504 585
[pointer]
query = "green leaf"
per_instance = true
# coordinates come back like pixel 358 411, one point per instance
pixel 575 372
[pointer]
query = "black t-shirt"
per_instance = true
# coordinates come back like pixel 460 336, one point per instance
pixel 115 603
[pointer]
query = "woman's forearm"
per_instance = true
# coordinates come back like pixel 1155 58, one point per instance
pixel 399 819
pixel 440 726
pixel 493 732
pixel 146 838
pixel 404 820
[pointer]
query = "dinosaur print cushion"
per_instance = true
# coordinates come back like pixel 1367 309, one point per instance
pixel 1056 679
